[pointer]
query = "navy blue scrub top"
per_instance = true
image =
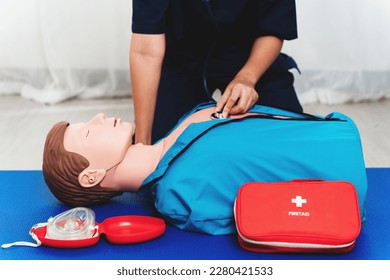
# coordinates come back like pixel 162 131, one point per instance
pixel 227 27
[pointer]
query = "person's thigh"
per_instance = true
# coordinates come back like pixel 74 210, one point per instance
pixel 276 87
pixel 179 92
pixel 278 91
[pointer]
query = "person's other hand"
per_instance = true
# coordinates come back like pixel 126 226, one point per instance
pixel 238 97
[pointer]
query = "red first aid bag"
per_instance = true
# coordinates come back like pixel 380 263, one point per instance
pixel 301 216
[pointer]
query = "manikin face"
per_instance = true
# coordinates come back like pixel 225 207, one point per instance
pixel 102 141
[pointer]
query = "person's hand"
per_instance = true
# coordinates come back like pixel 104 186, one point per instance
pixel 238 97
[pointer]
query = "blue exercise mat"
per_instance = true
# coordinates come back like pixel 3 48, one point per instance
pixel 25 200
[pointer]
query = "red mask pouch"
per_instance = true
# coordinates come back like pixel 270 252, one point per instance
pixel 77 228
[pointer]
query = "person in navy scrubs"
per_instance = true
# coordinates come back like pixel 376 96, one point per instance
pixel 183 50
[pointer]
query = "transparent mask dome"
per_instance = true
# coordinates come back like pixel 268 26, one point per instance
pixel 73 224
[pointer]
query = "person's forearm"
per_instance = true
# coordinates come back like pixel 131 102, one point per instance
pixel 146 56
pixel 240 94
pixel 264 52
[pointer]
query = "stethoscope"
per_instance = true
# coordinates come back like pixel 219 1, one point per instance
pixel 207 5
pixel 218 115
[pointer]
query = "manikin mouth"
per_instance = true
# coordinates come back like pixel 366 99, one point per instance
pixel 115 122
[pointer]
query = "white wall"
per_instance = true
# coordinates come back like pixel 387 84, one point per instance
pixel 52 50
pixel 343 50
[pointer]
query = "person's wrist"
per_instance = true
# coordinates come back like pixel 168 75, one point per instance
pixel 247 79
pixel 143 138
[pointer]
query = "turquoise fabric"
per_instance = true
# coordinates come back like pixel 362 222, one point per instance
pixel 195 184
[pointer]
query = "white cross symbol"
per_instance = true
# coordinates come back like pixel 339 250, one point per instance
pixel 298 200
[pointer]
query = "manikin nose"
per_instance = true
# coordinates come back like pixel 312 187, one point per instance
pixel 98 119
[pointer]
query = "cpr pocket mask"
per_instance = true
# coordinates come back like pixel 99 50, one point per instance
pixel 77 228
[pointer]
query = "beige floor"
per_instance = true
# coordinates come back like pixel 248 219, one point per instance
pixel 24 124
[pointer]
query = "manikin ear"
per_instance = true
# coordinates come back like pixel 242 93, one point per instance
pixel 91 177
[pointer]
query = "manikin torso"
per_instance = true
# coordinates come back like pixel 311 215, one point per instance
pixel 141 160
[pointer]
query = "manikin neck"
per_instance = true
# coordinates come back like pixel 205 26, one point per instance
pixel 139 162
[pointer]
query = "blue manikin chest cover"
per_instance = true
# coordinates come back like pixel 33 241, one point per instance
pixel 196 182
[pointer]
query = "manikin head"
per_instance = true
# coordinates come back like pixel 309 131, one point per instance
pixel 77 157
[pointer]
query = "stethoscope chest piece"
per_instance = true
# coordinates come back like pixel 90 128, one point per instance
pixel 217 116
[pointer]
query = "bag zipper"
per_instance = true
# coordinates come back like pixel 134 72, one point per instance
pixel 295 245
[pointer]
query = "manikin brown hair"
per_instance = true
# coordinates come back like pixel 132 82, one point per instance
pixel 61 169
